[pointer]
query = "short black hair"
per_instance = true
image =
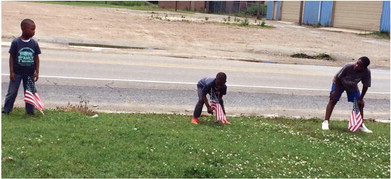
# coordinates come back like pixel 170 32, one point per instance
pixel 26 22
pixel 365 60
pixel 221 76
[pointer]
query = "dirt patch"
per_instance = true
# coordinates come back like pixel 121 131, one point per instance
pixel 192 35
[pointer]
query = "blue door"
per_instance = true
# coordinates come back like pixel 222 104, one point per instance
pixel 273 10
pixel 385 17
pixel 318 12
pixel 270 7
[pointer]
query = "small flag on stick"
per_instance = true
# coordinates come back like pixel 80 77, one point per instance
pixel 355 121
pixel 216 106
pixel 31 96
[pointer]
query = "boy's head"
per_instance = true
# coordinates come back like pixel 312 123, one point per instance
pixel 28 28
pixel 362 63
pixel 221 79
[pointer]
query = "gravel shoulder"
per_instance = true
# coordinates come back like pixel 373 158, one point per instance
pixel 189 35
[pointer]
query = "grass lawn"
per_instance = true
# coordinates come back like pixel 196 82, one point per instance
pixel 74 145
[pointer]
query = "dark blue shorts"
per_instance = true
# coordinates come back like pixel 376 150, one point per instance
pixel 351 95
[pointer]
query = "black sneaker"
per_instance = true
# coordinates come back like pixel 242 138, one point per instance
pixel 30 113
pixel 4 112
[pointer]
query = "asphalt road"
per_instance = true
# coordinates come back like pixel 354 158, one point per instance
pixel 126 81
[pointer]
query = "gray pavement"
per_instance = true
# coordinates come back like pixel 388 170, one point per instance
pixel 125 81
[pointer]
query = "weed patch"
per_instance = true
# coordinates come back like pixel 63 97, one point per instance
pixel 82 107
pixel 321 56
pixel 378 35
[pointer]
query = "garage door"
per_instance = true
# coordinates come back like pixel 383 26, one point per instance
pixel 363 15
pixel 290 11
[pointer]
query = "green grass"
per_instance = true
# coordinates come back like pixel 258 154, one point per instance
pixel 244 24
pixel 380 35
pixel 135 5
pixel 73 145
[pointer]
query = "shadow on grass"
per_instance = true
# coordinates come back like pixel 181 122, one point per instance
pixel 339 129
pixel 17 115
pixel 346 130
pixel 210 121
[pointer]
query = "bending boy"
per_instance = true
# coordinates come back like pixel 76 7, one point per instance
pixel 209 86
pixel 346 80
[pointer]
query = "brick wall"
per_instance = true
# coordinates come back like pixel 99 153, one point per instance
pixel 199 5
pixel 167 4
pixel 183 5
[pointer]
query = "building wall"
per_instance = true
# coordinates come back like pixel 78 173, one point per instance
pixel 290 11
pixel 199 5
pixel 269 13
pixel 209 6
pixel 183 5
pixel 385 18
pixel 273 10
pixel 229 7
pixel 278 10
pixel 326 13
pixel 167 4
pixel 363 15
pixel 311 11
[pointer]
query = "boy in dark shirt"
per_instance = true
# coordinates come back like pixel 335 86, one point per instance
pixel 23 63
pixel 346 80
pixel 209 86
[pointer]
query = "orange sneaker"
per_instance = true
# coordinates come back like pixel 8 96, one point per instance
pixel 195 121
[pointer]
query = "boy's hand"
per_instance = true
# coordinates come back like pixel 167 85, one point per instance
pixel 12 76
pixel 210 111
pixel 36 76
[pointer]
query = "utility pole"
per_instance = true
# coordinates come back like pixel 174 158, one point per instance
pixel 176 5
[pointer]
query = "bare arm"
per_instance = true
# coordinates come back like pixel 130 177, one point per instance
pixel 361 98
pixel 363 92
pixel 36 73
pixel 207 104
pixel 11 64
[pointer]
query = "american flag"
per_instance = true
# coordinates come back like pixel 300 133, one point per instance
pixel 31 96
pixel 355 121
pixel 216 106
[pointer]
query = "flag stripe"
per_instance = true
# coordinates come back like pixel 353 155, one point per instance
pixel 220 116
pixel 33 102
pixel 356 120
pixel 38 100
pixel 33 99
